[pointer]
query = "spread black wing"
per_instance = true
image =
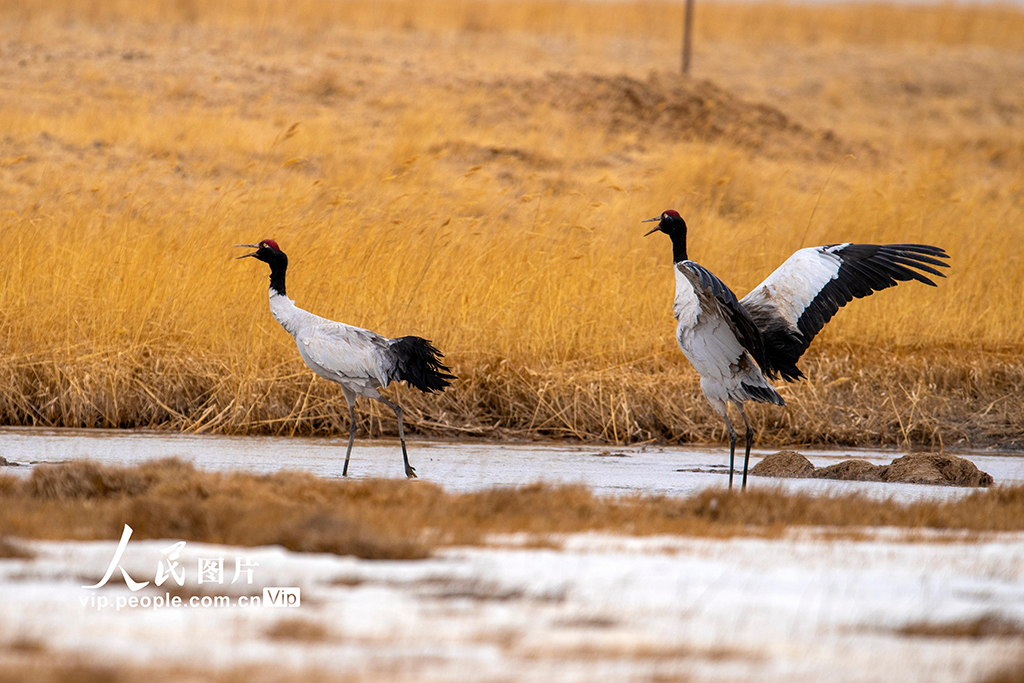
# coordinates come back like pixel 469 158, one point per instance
pixel 793 303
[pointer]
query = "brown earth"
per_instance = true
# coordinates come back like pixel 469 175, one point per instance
pixel 849 470
pixel 936 469
pixel 666 106
pixel 788 464
pixel 918 468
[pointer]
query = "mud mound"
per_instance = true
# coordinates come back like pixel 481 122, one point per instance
pixel 851 470
pixel 472 153
pixel 668 106
pixel 783 464
pixel 936 470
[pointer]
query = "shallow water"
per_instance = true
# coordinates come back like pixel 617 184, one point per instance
pixel 588 607
pixel 468 466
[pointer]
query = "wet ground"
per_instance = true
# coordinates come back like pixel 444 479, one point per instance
pixel 584 607
pixel 672 471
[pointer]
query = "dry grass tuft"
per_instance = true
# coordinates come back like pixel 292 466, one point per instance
pixel 987 626
pixel 170 499
pixel 1012 674
pixel 56 669
pixel 13 551
pixel 325 534
pixel 386 519
pixel 50 672
pixel 583 651
pixel 89 480
pixel 301 630
pixel 24 645
pixel 481 590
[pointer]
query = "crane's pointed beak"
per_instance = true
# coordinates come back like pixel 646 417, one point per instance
pixel 651 220
pixel 251 246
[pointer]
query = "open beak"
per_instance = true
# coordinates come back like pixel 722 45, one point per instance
pixel 651 220
pixel 251 246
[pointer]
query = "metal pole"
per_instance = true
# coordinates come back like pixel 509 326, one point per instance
pixel 687 36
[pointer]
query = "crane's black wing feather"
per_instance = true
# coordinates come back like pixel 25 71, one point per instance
pixel 793 303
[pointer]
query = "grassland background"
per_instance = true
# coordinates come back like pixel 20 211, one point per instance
pixel 475 173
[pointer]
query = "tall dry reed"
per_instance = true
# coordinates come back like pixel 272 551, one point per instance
pixel 439 187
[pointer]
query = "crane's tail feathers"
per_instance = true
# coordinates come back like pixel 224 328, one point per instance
pixel 763 394
pixel 419 364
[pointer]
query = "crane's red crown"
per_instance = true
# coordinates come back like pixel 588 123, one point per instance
pixel 269 243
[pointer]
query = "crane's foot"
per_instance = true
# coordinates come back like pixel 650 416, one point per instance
pixel 410 473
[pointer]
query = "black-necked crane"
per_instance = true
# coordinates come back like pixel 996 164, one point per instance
pixel 361 361
pixel 737 345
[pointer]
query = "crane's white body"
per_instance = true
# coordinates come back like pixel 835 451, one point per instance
pixel 708 340
pixel 361 361
pixel 355 358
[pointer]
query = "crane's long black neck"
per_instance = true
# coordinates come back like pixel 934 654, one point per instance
pixel 678 235
pixel 278 268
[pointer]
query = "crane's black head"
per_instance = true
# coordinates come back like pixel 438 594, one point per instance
pixel 673 225
pixel 268 252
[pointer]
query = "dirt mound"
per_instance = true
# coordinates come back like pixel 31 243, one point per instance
pixel 783 464
pixel 851 470
pixel 473 153
pixel 926 468
pixel 937 469
pixel 673 107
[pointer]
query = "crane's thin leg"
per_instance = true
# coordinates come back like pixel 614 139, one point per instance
pixel 732 441
pixel 351 430
pixel 409 471
pixel 750 438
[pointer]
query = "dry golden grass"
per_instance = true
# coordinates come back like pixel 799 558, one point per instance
pixel 763 22
pixel 1012 674
pixel 43 671
pixel 170 499
pixel 441 182
pixel 987 626
pixel 384 519
pixel 302 630
pixel 9 551
pixel 69 669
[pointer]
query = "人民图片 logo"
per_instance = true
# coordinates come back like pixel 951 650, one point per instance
pixel 211 570
pixel 171 567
